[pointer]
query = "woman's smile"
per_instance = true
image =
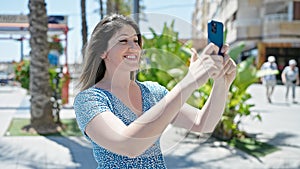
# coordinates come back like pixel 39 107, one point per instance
pixel 131 57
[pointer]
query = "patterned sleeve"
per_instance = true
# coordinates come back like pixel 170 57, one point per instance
pixel 88 104
pixel 157 90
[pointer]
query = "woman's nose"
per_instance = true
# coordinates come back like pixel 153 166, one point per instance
pixel 133 45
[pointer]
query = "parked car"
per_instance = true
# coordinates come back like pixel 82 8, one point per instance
pixel 4 78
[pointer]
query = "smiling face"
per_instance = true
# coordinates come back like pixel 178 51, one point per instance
pixel 123 51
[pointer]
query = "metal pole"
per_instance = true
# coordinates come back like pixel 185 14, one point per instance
pixel 136 10
pixel 22 48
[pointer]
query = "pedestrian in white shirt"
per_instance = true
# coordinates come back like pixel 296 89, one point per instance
pixel 290 77
pixel 269 80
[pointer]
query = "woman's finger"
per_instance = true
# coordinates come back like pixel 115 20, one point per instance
pixel 226 59
pixel 231 67
pixel 210 49
pixel 225 48
pixel 194 55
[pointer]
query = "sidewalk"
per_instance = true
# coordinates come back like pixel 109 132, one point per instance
pixel 279 126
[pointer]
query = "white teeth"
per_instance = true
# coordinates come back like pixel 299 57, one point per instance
pixel 131 57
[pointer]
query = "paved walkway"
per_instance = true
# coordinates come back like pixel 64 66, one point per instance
pixel 279 126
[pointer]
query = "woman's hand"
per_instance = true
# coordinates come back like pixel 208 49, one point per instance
pixel 229 68
pixel 206 119
pixel 207 65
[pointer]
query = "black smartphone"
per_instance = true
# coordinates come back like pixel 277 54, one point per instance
pixel 215 35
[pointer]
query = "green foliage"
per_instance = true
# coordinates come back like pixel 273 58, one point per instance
pixel 22 73
pixel 235 52
pixel 22 69
pixel 165 58
pixel 55 44
pixel 246 74
pixel 125 6
pixel 253 147
pixel 237 106
pixel 52 80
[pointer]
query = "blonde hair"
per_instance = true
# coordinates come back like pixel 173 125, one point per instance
pixel 93 67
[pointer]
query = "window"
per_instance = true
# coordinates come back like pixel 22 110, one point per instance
pixel 296 11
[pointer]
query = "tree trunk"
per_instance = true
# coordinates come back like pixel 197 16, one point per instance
pixel 110 7
pixel 222 132
pixel 83 25
pixel 118 6
pixel 41 106
pixel 101 9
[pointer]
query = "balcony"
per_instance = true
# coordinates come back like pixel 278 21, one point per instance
pixel 273 1
pixel 282 30
pixel 276 17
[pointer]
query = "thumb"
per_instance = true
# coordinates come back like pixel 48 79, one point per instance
pixel 210 49
pixel 194 55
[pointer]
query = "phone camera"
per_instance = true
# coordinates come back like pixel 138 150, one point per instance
pixel 214 28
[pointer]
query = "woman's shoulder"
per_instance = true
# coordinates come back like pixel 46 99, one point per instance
pixel 90 94
pixel 91 91
pixel 157 90
pixel 146 83
pixel 151 84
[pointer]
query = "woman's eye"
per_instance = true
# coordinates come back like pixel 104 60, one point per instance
pixel 123 41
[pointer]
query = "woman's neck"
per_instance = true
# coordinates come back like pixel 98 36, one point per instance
pixel 116 80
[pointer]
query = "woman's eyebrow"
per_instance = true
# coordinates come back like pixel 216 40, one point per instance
pixel 128 35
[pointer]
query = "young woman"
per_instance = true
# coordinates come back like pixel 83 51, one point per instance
pixel 124 118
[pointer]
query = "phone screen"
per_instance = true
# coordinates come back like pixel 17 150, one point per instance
pixel 215 33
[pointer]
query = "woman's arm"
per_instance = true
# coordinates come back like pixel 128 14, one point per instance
pixel 283 77
pixel 132 140
pixel 206 119
pixel 297 78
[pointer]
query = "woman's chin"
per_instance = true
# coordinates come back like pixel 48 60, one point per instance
pixel 133 67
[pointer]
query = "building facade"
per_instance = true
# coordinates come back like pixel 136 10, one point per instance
pixel 266 27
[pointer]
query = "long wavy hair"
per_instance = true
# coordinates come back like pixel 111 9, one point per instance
pixel 93 67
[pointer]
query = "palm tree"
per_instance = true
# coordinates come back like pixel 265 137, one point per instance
pixel 83 25
pixel 41 107
pixel 118 6
pixel 101 9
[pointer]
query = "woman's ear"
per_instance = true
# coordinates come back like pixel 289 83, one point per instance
pixel 104 55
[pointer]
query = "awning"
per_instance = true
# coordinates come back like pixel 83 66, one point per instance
pixel 18 24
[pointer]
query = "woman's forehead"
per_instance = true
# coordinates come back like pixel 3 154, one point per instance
pixel 125 31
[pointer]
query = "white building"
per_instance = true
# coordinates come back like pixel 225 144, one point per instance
pixel 267 27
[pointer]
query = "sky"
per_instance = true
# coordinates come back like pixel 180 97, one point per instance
pixel 157 12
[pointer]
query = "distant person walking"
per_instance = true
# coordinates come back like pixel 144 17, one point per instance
pixel 290 77
pixel 269 79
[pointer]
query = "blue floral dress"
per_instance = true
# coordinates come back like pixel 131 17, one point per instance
pixel 93 101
